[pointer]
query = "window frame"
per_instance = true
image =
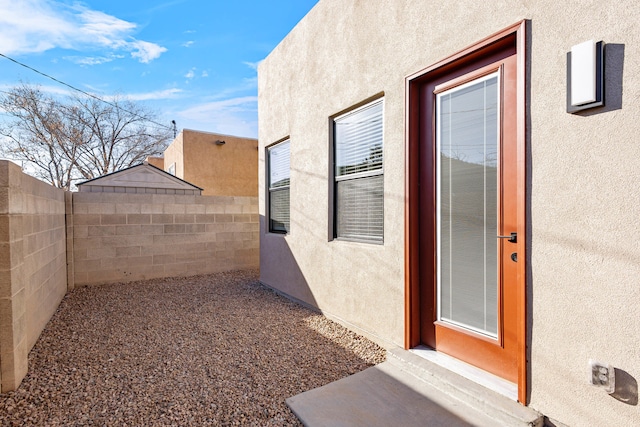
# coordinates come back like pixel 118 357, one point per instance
pixel 269 228
pixel 335 179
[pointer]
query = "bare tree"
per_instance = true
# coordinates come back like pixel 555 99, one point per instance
pixel 76 138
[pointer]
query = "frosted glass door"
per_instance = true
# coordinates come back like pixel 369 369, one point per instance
pixel 467 141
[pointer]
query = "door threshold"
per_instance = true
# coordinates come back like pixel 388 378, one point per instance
pixel 470 372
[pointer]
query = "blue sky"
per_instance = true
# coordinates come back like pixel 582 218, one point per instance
pixel 192 61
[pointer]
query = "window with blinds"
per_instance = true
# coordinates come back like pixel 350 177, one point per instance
pixel 279 172
pixel 359 184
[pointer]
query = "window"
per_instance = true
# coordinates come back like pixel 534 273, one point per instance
pixel 359 182
pixel 172 169
pixel 278 162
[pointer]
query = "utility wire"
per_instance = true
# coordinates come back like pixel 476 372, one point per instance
pixel 83 92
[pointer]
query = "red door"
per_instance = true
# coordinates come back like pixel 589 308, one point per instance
pixel 466 232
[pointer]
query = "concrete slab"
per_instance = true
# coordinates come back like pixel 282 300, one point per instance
pixel 383 395
pixel 408 390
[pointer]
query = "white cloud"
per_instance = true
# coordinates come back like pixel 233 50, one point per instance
pixel 233 104
pixel 88 60
pixel 34 26
pixel 172 93
pixel 191 74
pixel 106 29
pixel 253 65
pixel 145 51
pixel 250 82
pixel 247 84
pixel 204 74
pixel 160 94
pixel 188 44
pixel 234 116
pixel 51 90
pixel 91 60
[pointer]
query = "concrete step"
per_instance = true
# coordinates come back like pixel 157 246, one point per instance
pixel 503 410
pixel 402 392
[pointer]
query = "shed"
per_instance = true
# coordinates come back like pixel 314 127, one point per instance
pixel 143 178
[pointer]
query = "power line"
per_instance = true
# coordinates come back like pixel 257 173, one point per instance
pixel 83 92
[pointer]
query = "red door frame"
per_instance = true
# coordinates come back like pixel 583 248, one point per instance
pixel 412 194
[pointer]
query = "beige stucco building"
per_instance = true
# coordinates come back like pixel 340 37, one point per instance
pixel 222 165
pixel 400 140
pixel 155 161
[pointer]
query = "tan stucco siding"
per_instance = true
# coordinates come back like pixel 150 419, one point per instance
pixel 156 161
pixel 229 169
pixel 174 155
pixel 583 187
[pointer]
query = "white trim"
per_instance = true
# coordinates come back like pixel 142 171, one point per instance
pixel 365 174
pixel 438 143
pixel 362 107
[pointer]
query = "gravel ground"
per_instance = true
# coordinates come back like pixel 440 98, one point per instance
pixel 218 349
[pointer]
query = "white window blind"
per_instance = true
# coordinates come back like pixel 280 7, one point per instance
pixel 359 212
pixel 468 143
pixel 279 177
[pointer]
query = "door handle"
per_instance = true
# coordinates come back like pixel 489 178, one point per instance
pixel 513 237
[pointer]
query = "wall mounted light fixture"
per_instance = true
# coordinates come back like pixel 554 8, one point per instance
pixel 220 142
pixel 585 76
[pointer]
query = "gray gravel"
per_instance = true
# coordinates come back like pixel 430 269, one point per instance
pixel 218 349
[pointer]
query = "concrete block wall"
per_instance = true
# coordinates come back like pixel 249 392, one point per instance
pixel 33 277
pixel 127 237
pixel 52 241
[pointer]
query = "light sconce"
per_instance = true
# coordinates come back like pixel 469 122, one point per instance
pixel 220 142
pixel 585 76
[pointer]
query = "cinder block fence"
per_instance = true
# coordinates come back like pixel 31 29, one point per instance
pixel 32 266
pixel 125 237
pixel 52 241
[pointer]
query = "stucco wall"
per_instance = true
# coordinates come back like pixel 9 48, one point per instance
pixel 156 161
pixel 126 237
pixel 32 265
pixel 174 154
pixel 584 179
pixel 229 169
